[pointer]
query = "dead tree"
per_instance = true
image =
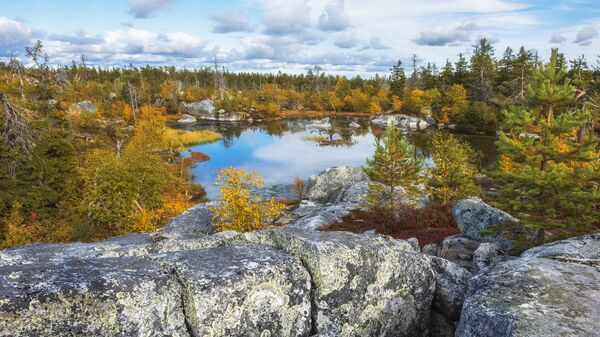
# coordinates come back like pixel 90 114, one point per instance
pixel 16 134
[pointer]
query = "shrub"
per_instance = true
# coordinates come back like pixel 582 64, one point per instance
pixel 479 117
pixel 241 210
pixel 298 187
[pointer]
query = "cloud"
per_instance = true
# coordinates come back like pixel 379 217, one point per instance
pixel 375 43
pixel 348 40
pixel 79 38
pixel 585 36
pixel 143 9
pixel 13 34
pixel 334 18
pixel 231 22
pixel 287 17
pixel 455 36
pixel 557 38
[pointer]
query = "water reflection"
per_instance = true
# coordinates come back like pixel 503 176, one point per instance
pixel 282 150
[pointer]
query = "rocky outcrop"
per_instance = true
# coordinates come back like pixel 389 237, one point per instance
pixel 205 109
pixel 487 254
pixel 482 222
pixel 363 285
pixel 550 291
pixel 458 249
pixel 284 282
pixel 402 121
pixel 242 291
pixel 194 222
pixel 329 184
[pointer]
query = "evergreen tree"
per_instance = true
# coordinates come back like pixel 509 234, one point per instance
pixel 461 70
pixel 446 75
pixel 483 71
pixel 451 177
pixel 392 166
pixel 397 79
pixel 548 179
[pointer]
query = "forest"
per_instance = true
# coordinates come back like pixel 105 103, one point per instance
pixel 70 174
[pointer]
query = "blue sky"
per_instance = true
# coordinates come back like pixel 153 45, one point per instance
pixel 343 36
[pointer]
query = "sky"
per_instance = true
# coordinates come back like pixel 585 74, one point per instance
pixel 348 37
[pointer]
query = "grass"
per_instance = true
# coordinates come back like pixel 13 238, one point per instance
pixel 198 137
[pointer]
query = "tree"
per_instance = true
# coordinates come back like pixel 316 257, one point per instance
pixel 454 103
pixel 461 70
pixel 451 177
pixel 397 79
pixel 548 178
pixel 483 71
pixel 240 209
pixel 392 165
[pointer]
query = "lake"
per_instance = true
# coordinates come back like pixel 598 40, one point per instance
pixel 281 150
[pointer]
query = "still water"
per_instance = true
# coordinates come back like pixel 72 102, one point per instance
pixel 282 150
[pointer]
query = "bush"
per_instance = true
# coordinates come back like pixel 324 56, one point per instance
pixel 241 210
pixel 479 118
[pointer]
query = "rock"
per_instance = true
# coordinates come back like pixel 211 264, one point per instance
pixel 414 242
pixel 451 287
pixel 485 255
pixel 205 109
pixel 440 326
pixel 322 124
pixel 585 249
pixel 314 216
pixel 532 297
pixel 194 222
pixel 329 184
pixel 362 285
pixel 124 296
pixel 354 125
pixel 458 249
pixel 242 291
pixel 482 222
pixel 431 249
pixel 187 119
pixel 84 106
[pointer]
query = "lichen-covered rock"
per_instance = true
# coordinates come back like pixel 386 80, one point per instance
pixel 450 289
pixel 82 106
pixel 314 216
pixel 431 249
pixel 362 285
pixel 93 297
pixel 532 297
pixel 242 291
pixel 329 184
pixel 583 248
pixel 458 249
pixel 482 222
pixel 194 222
pixel 487 254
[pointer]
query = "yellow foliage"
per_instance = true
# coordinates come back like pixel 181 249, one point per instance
pixel 374 107
pixel 240 209
pixel 396 103
pixel 508 165
pixel 197 137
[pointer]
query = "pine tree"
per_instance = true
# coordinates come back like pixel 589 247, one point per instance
pixel 548 178
pixel 397 79
pixel 483 70
pixel 461 70
pixel 392 166
pixel 451 177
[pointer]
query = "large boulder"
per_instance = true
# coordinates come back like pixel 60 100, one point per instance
pixel 482 222
pixel 329 184
pixel 313 216
pixel 362 285
pixel 84 106
pixel 532 297
pixel 242 291
pixel 487 254
pixel 585 249
pixel 451 287
pixel 205 109
pixel 124 296
pixel 186 119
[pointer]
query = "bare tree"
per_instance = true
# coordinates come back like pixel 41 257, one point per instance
pixel 16 134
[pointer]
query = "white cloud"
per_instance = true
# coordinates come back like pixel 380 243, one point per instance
pixel 585 36
pixel 347 40
pixel 231 22
pixel 13 35
pixel 443 37
pixel 334 18
pixel 557 38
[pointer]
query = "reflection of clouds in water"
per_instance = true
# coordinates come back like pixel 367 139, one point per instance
pixel 280 161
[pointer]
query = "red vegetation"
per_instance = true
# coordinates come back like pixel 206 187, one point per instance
pixel 428 224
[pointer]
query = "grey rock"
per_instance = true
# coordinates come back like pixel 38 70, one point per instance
pixel 362 285
pixel 86 106
pixel 414 242
pixel 242 291
pixel 458 249
pixel 532 297
pixel 194 222
pixel 354 125
pixel 487 254
pixel 450 289
pixel 329 184
pixel 316 216
pixel 583 249
pixel 441 326
pixel 354 193
pixel 205 109
pixel 482 222
pixel 431 249
pixel 105 297
pixel 187 119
